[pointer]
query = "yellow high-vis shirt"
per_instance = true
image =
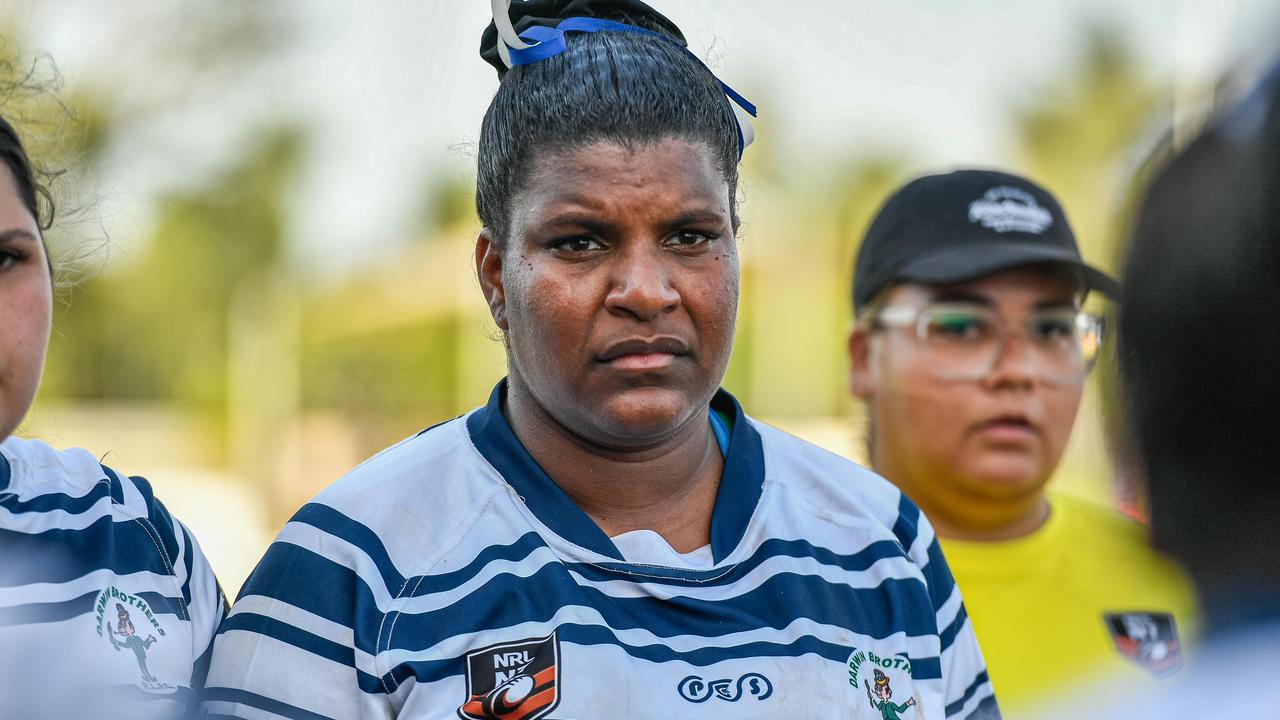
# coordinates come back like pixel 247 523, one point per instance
pixel 1083 598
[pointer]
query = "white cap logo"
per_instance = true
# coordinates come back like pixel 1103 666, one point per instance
pixel 1007 208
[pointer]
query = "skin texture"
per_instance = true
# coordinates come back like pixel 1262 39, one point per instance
pixel 609 245
pixel 26 306
pixel 940 440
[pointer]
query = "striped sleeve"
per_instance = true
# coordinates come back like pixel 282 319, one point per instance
pixel 300 640
pixel 967 689
pixel 205 603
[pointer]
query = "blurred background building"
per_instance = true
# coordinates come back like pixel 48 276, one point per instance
pixel 265 207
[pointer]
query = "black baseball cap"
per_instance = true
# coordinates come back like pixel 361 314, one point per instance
pixel 963 225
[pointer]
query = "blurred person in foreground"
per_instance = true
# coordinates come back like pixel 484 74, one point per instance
pixel 611 535
pixel 107 606
pixel 971 352
pixel 1200 372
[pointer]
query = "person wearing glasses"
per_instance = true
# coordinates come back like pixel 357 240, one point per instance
pixel 970 350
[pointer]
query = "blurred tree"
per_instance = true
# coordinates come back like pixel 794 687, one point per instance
pixel 1076 135
pixel 155 326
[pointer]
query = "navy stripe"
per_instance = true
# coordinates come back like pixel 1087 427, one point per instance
pixel 523 547
pixel 426 671
pixel 936 573
pixel 159 517
pixel 51 612
pixel 254 700
pixel 907 525
pixel 675 577
pixel 303 640
pixel 948 636
pixel 5 473
pixel 958 704
pixel 122 547
pixel 325 518
pixel 317 585
pixel 33 613
pixel 505 601
pixel 988 709
pixel 72 504
pixel 188 560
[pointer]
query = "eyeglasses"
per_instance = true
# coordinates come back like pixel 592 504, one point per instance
pixel 964 341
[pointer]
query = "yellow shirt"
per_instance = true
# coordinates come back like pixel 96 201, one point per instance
pixel 1083 596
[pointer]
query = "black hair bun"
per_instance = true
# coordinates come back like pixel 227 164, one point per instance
pixel 527 13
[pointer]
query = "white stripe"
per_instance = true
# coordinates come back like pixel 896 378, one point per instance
pixel 274 669
pixel 309 622
pixel 133 583
pixel 983 692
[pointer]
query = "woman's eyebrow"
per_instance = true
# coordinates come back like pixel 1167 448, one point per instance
pixel 697 217
pixel 959 296
pixel 17 234
pixel 589 222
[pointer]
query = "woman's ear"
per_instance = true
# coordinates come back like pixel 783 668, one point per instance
pixel 489 272
pixel 860 380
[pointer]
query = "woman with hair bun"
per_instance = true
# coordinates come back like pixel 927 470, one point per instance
pixel 107 605
pixel 610 535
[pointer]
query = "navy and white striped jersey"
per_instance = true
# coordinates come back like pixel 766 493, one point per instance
pixel 107 606
pixel 450 577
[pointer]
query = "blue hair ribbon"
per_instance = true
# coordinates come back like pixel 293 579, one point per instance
pixel 550 41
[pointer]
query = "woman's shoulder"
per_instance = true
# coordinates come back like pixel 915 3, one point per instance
pixel 37 468
pixel 429 464
pixel 422 486
pixel 820 478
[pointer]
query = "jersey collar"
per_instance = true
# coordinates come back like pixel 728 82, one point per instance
pixel 740 482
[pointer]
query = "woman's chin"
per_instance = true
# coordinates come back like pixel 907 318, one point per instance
pixel 640 416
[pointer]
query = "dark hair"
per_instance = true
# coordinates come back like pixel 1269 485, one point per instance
pixel 619 87
pixel 34 196
pixel 1199 346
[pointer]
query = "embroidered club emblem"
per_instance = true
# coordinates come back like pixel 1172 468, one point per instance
pixel 884 683
pixel 116 612
pixel 1006 209
pixel 513 681
pixel 1149 639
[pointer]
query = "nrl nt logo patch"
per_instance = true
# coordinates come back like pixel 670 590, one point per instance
pixel 1149 639
pixel 513 681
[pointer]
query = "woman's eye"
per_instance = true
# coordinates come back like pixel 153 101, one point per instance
pixel 8 260
pixel 576 245
pixel 957 326
pixel 689 239
pixel 1053 329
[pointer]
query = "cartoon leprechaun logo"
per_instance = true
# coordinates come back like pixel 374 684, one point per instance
pixel 119 629
pixel 884 679
pixel 882 700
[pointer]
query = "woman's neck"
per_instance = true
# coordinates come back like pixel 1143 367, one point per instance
pixel 668 487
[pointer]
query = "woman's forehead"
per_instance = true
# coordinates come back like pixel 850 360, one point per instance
pixel 596 178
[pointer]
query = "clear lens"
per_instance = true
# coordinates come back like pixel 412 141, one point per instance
pixel 964 342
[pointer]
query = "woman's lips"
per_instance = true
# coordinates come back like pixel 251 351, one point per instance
pixel 1008 431
pixel 644 354
pixel 643 361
